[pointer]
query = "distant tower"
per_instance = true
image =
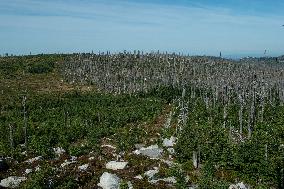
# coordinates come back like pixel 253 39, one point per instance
pixel 220 54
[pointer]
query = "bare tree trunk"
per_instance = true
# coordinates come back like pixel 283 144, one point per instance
pixel 241 96
pixel 225 115
pixel 266 152
pixel 241 120
pixel 199 156
pixel 11 136
pixel 25 120
pixel 195 159
pixel 252 115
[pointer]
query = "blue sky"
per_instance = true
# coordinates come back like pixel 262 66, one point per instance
pixel 234 27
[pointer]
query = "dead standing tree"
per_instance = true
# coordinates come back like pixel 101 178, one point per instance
pixel 25 120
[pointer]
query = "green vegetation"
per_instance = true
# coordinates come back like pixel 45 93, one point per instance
pixel 230 133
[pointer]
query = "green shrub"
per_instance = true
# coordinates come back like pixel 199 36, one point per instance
pixel 41 179
pixel 78 150
pixel 40 67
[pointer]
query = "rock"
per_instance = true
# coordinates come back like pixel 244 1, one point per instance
pixel 91 158
pixel 28 171
pixel 169 142
pixel 151 173
pixel 130 186
pixel 240 185
pixel 108 146
pixel 3 165
pixel 66 162
pixel 138 146
pixel 83 167
pixel 12 182
pixel 114 165
pixel 193 187
pixel 168 162
pixel 233 186
pixel 138 177
pixel 37 168
pixel 34 159
pixel 168 179
pixel 109 181
pixel 152 151
pixel 73 158
pixel 59 151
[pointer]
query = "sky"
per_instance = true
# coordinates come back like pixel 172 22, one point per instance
pixel 203 27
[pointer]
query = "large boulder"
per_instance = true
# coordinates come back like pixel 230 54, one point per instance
pixel 109 181
pixel 12 182
pixel 3 165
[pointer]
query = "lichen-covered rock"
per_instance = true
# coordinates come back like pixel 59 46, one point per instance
pixel 108 146
pixel 240 185
pixel 138 177
pixel 28 171
pixel 171 180
pixel 151 151
pixel 115 165
pixel 59 151
pixel 130 186
pixel 83 167
pixel 66 162
pixel 32 160
pixel 37 168
pixel 109 181
pixel 138 146
pixel 151 173
pixel 169 142
pixel 12 182
pixel 91 158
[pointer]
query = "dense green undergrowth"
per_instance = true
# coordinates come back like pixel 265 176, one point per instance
pixel 63 120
